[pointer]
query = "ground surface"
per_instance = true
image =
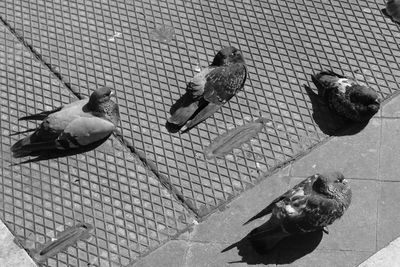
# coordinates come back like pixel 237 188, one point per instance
pixel 148 187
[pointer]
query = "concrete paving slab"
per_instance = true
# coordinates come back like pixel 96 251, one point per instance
pixel 388 219
pixel 390 150
pixel 391 109
pixel 330 259
pixel 174 255
pixel 386 257
pixel 364 147
pixel 11 254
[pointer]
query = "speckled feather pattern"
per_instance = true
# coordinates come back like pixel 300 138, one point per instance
pixel 339 91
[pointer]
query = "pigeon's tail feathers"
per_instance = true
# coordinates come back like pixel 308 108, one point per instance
pixel 262 213
pixel 25 147
pixel 39 116
pixel 267 236
pixel 203 113
pixel 181 115
pixel 321 88
pixel 22 132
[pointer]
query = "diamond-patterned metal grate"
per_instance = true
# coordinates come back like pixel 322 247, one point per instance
pixel 107 188
pixel 115 43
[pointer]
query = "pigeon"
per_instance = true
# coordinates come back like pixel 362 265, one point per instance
pixel 209 90
pixel 392 10
pixel 346 97
pixel 73 126
pixel 310 206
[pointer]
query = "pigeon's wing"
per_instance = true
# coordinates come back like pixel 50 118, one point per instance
pixel 80 132
pixel 187 105
pixel 222 83
pixel 197 84
pixel 317 212
pixel 84 131
pixel 298 191
pixel 41 115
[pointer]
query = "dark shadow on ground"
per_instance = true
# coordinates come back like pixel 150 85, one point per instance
pixel 184 101
pixel 385 13
pixel 51 154
pixel 287 251
pixel 328 121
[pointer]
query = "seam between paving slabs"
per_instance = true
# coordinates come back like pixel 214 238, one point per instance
pixel 141 156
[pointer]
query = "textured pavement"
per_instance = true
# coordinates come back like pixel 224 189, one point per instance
pixel 146 187
pixel 368 159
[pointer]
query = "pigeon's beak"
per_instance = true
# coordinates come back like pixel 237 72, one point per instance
pixel 112 93
pixel 344 181
pixel 378 101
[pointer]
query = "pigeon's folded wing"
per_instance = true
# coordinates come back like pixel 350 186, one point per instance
pixel 224 82
pixel 297 191
pixel 41 115
pixel 84 131
pixel 196 86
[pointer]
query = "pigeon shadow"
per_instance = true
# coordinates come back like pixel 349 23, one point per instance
pixel 329 121
pixel 51 154
pixel 184 101
pixel 286 251
pixel 385 13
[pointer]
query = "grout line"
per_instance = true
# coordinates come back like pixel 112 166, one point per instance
pixel 153 168
pixel 39 57
pixel 142 157
pixel 379 184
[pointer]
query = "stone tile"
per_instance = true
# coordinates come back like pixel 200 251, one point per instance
pixel 10 253
pixel 388 217
pixel 330 259
pixel 386 257
pixel 226 225
pixel 390 150
pixel 356 156
pixel 391 109
pixel 356 230
pixel 209 255
pixel 171 254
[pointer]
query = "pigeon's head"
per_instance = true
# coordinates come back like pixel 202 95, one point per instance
pixel 367 97
pixel 333 185
pixel 364 95
pixel 228 55
pixel 101 95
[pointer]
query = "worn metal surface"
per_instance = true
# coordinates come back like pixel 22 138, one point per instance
pixel 149 50
pixel 108 188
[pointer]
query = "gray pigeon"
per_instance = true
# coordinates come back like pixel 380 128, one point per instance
pixel 347 97
pixel 209 90
pixel 393 10
pixel 73 126
pixel 309 206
